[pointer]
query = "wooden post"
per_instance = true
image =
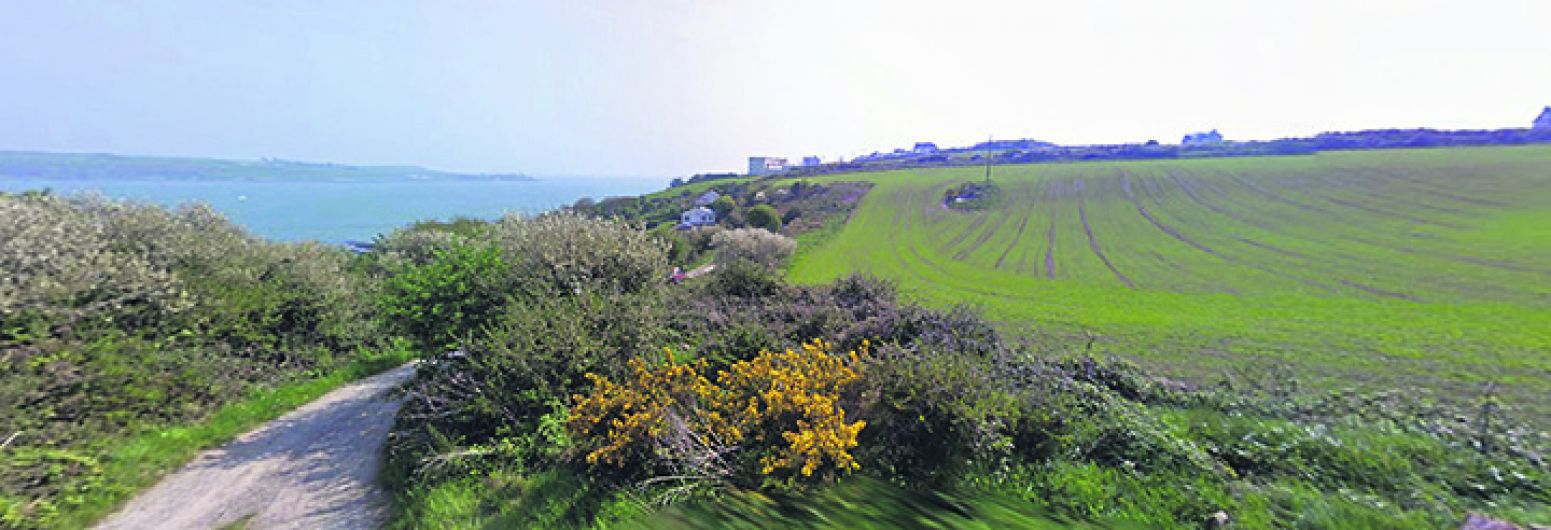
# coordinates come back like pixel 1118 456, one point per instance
pixel 988 159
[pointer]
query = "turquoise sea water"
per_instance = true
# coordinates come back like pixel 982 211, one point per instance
pixel 337 211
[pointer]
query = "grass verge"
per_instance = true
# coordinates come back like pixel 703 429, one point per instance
pixel 139 460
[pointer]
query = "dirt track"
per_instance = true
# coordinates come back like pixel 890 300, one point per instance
pixel 313 468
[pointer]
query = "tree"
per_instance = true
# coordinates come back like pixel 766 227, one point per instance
pixel 764 216
pixel 723 205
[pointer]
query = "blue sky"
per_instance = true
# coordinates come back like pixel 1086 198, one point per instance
pixel 668 88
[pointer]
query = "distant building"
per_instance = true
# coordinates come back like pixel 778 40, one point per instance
pixel 698 216
pixel 705 199
pixel 1544 121
pixel 1202 138
pixel 765 165
pixel 925 148
pixel 811 161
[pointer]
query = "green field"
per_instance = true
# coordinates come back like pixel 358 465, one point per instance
pixel 1427 269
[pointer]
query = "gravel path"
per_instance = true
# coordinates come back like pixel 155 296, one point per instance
pixel 314 468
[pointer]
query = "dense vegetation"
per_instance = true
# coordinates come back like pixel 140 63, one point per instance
pixel 792 208
pixel 738 399
pixel 120 319
pixel 1382 321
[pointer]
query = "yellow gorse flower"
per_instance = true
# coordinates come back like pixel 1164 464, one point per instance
pixel 783 405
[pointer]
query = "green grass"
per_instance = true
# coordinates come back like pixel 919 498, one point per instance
pixel 135 462
pixel 1423 269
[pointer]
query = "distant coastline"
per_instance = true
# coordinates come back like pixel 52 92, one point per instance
pixel 86 166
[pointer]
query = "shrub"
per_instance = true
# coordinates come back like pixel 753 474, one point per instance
pixel 446 299
pixel 764 216
pixel 64 268
pixel 935 412
pixel 414 247
pixel 518 370
pixel 723 206
pixel 752 245
pixel 779 412
pixel 791 214
pixel 568 253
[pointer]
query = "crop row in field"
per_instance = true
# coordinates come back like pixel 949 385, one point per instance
pixel 1418 267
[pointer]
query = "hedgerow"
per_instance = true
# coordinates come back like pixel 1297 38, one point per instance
pixel 118 317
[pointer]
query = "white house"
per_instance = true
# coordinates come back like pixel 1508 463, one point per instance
pixel 924 148
pixel 1544 121
pixel 699 216
pixel 1202 138
pixel 707 198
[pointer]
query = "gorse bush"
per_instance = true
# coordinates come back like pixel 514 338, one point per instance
pixel 776 415
pixel 752 245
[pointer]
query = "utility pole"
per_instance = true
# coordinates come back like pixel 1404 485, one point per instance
pixel 988 159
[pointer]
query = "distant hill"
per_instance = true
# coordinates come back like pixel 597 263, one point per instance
pixel 108 166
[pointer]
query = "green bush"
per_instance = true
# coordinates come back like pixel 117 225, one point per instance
pixel 441 302
pixel 723 206
pixel 764 216
pixel 405 248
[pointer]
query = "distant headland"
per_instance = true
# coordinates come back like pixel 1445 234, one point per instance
pixel 32 164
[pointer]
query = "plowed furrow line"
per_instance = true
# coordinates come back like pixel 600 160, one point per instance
pixel 980 219
pixel 1015 239
pixel 1125 188
pixel 1190 191
pixel 1438 191
pixel 1386 213
pixel 1050 248
pixel 1093 242
pixel 1382 187
pixel 1275 197
pixel 1012 198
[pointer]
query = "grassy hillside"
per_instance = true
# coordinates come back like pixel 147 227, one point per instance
pixel 1414 268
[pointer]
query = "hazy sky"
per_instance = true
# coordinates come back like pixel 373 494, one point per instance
pixel 667 88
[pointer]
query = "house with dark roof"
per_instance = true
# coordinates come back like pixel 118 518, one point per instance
pixel 1544 121
pixel 924 148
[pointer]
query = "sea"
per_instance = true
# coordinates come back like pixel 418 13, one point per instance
pixel 340 211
